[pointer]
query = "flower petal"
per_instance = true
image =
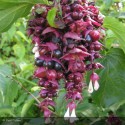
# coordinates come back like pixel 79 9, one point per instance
pixel 37 54
pixel 67 115
pixel 73 116
pixel 96 85
pixel 90 88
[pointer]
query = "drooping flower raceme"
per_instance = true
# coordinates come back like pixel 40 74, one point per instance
pixel 66 51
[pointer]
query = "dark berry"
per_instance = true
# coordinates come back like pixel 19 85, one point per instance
pixel 45 64
pixel 43 95
pixel 75 6
pixel 67 9
pixel 57 66
pixel 39 62
pixel 57 53
pixel 47 85
pixel 41 83
pixel 56 40
pixel 54 86
pixel 50 95
pixel 96 55
pixel 88 38
pixel 71 76
pixel 50 64
pixel 78 79
pixel 75 15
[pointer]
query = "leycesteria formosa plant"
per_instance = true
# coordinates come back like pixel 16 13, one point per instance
pixel 66 47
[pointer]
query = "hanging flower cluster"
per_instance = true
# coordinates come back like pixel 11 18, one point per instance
pixel 66 51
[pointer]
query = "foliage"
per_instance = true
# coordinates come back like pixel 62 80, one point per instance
pixel 16 63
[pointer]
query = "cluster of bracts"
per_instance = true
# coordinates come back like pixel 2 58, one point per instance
pixel 66 51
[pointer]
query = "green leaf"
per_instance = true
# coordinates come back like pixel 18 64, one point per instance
pixel 60 104
pixel 112 79
pixel 11 10
pixel 108 3
pixel 6 86
pixel 51 17
pixel 118 29
pixel 19 50
pixel 26 107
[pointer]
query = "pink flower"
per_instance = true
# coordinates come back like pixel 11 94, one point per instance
pixel 70 113
pixel 93 85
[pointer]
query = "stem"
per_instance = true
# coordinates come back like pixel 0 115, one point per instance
pixel 20 84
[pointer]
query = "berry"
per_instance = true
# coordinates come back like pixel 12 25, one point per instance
pixel 50 64
pixel 97 47
pixel 68 20
pixel 78 79
pixel 67 9
pixel 50 95
pixel 71 76
pixel 39 62
pixel 56 40
pixel 41 83
pixel 51 74
pixel 57 53
pixel 75 15
pixel 54 86
pixel 47 85
pixel 43 95
pixel 95 35
pixel 57 66
pixel 75 7
pixel 80 15
pixel 60 75
pixel 45 64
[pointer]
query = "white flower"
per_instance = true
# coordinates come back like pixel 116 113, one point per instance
pixel 67 115
pixel 35 48
pixel 37 54
pixel 73 116
pixel 90 88
pixel 96 85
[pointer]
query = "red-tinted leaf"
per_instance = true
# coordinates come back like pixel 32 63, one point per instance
pixel 72 36
pixel 50 30
pixel 51 46
pixel 76 66
pixel 74 54
pixel 40 72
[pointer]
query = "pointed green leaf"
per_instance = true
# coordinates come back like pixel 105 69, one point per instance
pixel 112 79
pixel 51 17
pixel 118 29
pixel 11 10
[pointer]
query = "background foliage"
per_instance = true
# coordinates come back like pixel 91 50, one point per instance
pixel 17 63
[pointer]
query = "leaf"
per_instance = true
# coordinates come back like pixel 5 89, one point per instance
pixel 26 107
pixel 19 50
pixel 60 104
pixel 118 28
pixel 72 36
pixel 51 17
pixel 112 79
pixel 6 86
pixel 108 3
pixel 11 10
